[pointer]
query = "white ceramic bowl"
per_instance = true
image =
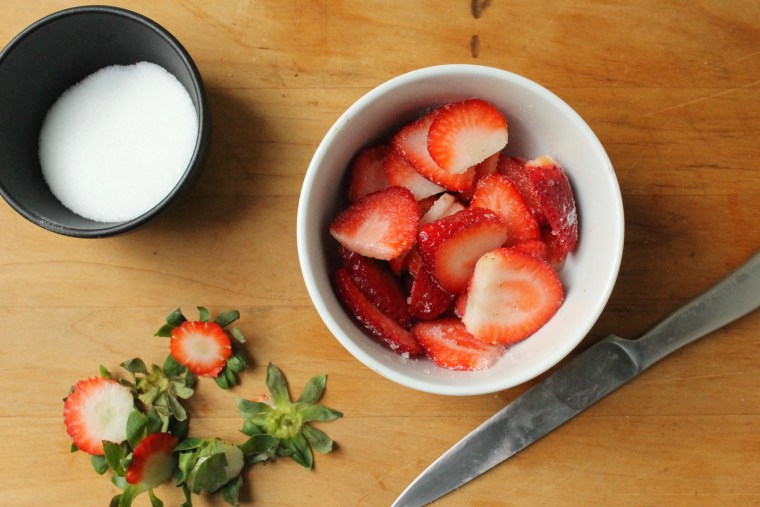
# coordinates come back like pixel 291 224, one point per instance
pixel 540 123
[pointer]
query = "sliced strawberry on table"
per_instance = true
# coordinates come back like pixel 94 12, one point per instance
pixel 512 294
pixel 451 246
pixel 153 461
pixel 449 345
pixel 203 347
pixel 378 284
pixel 557 202
pixel 497 193
pixel 96 410
pixel 379 325
pixel 367 173
pixel 514 169
pixel 400 173
pixel 464 134
pixel 412 143
pixel 381 225
pixel 427 299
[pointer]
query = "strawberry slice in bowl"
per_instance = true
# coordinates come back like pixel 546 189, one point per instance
pixel 512 294
pixel 381 225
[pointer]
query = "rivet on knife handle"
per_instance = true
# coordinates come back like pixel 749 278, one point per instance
pixel 586 379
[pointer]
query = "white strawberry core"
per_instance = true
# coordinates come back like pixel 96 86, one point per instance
pixel 105 412
pixel 201 348
pixel 474 146
pixel 501 297
pixel 372 234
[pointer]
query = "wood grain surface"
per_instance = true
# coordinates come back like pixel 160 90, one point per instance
pixel 671 88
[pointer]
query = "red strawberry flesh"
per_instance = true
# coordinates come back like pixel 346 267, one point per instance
pixel 381 225
pixel 378 284
pixel 400 173
pixel 497 193
pixel 412 142
pixel 464 134
pixel 367 172
pixel 379 325
pixel 451 246
pixel 557 204
pixel 449 345
pixel 427 300
pixel 511 296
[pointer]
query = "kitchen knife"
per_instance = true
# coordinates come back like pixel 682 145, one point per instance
pixel 583 381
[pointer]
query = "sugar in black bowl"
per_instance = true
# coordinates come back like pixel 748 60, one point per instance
pixel 103 121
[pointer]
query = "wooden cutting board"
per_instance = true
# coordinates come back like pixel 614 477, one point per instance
pixel 672 89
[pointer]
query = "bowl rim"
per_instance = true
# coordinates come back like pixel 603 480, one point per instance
pixel 308 270
pixel 201 144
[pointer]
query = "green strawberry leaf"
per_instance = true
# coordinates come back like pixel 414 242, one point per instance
pixel 227 318
pixel 318 413
pixel 175 318
pixel 154 500
pixel 314 389
pixel 135 366
pixel 114 454
pixel 99 464
pixel 204 314
pixel 318 440
pixel 137 423
pixel 277 385
pixel 231 490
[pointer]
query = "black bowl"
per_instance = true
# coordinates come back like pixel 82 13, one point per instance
pixel 49 57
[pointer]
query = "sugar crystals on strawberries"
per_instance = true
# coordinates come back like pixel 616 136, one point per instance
pixel 450 247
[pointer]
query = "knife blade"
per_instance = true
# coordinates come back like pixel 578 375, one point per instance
pixel 589 377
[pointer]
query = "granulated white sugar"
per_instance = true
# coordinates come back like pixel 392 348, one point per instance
pixel 115 144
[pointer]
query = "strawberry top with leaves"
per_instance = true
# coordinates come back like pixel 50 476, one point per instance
pixel 205 347
pixel 152 461
pixel 201 346
pixel 288 421
pixel 97 410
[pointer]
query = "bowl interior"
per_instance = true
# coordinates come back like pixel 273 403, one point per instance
pixel 49 57
pixel 539 123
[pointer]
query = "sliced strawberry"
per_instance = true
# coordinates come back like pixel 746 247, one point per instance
pixel 96 410
pixel 427 299
pixel 460 303
pixel 464 134
pixel 557 204
pixel 512 294
pixel 203 347
pixel 400 173
pixel 412 143
pixel 153 460
pixel 367 172
pixel 442 207
pixel 483 169
pixel 380 326
pixel 514 169
pixel 426 203
pixel 378 284
pixel 451 246
pixel 497 193
pixel 536 247
pixel 449 345
pixel 381 225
